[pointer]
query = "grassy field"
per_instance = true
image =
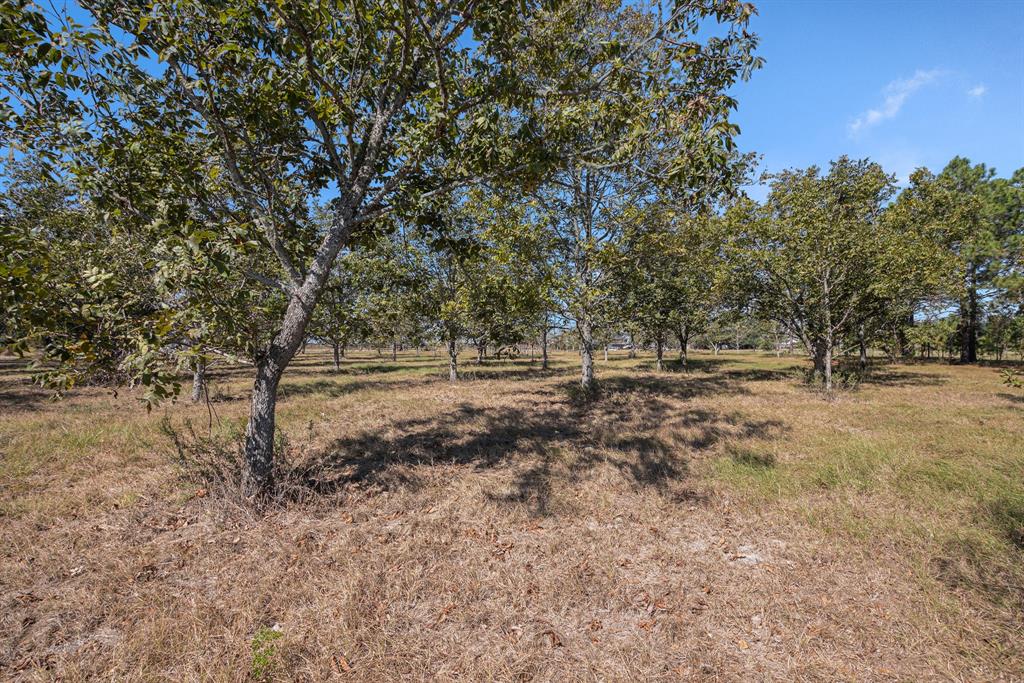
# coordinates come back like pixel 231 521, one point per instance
pixel 724 524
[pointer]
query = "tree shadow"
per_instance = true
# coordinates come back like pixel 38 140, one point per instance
pixel 23 396
pixel 891 376
pixel 1012 398
pixel 636 426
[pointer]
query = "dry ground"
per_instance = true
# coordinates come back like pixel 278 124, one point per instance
pixel 724 524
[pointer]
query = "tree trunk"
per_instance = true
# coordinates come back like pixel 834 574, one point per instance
pixel 337 356
pixel 863 347
pixel 659 349
pixel 823 363
pixel 684 342
pixel 605 353
pixel 828 369
pixel 632 346
pixel 259 434
pixel 453 361
pixel 544 347
pixel 969 321
pixel 270 366
pixel 198 380
pixel 818 355
pixel 586 355
pixel 901 337
pixel 481 351
pixel 394 350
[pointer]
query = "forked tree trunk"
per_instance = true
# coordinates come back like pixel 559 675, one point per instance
pixel 198 380
pixel 586 355
pixel 481 351
pixel 823 363
pixel 337 356
pixel 453 361
pixel 684 342
pixel 632 346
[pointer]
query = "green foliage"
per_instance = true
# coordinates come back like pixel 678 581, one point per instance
pixel 265 651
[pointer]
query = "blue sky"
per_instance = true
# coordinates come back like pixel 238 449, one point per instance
pixel 905 83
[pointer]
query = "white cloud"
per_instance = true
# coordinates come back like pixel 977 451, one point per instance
pixel 896 94
pixel 978 90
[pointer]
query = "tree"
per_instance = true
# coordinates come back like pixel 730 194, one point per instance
pixel 655 116
pixel 486 273
pixel 817 256
pixel 375 105
pixel 342 316
pixel 663 276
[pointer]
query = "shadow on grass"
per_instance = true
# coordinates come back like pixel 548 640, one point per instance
pixel 24 396
pixel 635 425
pixel 892 376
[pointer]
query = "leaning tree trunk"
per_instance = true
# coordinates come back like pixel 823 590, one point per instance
pixel 453 360
pixel 271 364
pixel 198 380
pixel 337 356
pixel 586 355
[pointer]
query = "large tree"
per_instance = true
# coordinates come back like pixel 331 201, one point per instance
pixel 655 118
pixel 978 221
pixel 664 275
pixel 365 106
pixel 818 258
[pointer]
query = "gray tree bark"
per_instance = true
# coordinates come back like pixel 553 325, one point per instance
pixel 586 355
pixel 453 361
pixel 198 381
pixel 544 347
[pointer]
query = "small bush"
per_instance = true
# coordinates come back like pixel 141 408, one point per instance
pixel 265 651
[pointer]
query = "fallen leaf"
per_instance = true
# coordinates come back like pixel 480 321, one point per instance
pixel 555 640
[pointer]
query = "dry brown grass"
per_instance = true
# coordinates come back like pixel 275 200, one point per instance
pixel 727 524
